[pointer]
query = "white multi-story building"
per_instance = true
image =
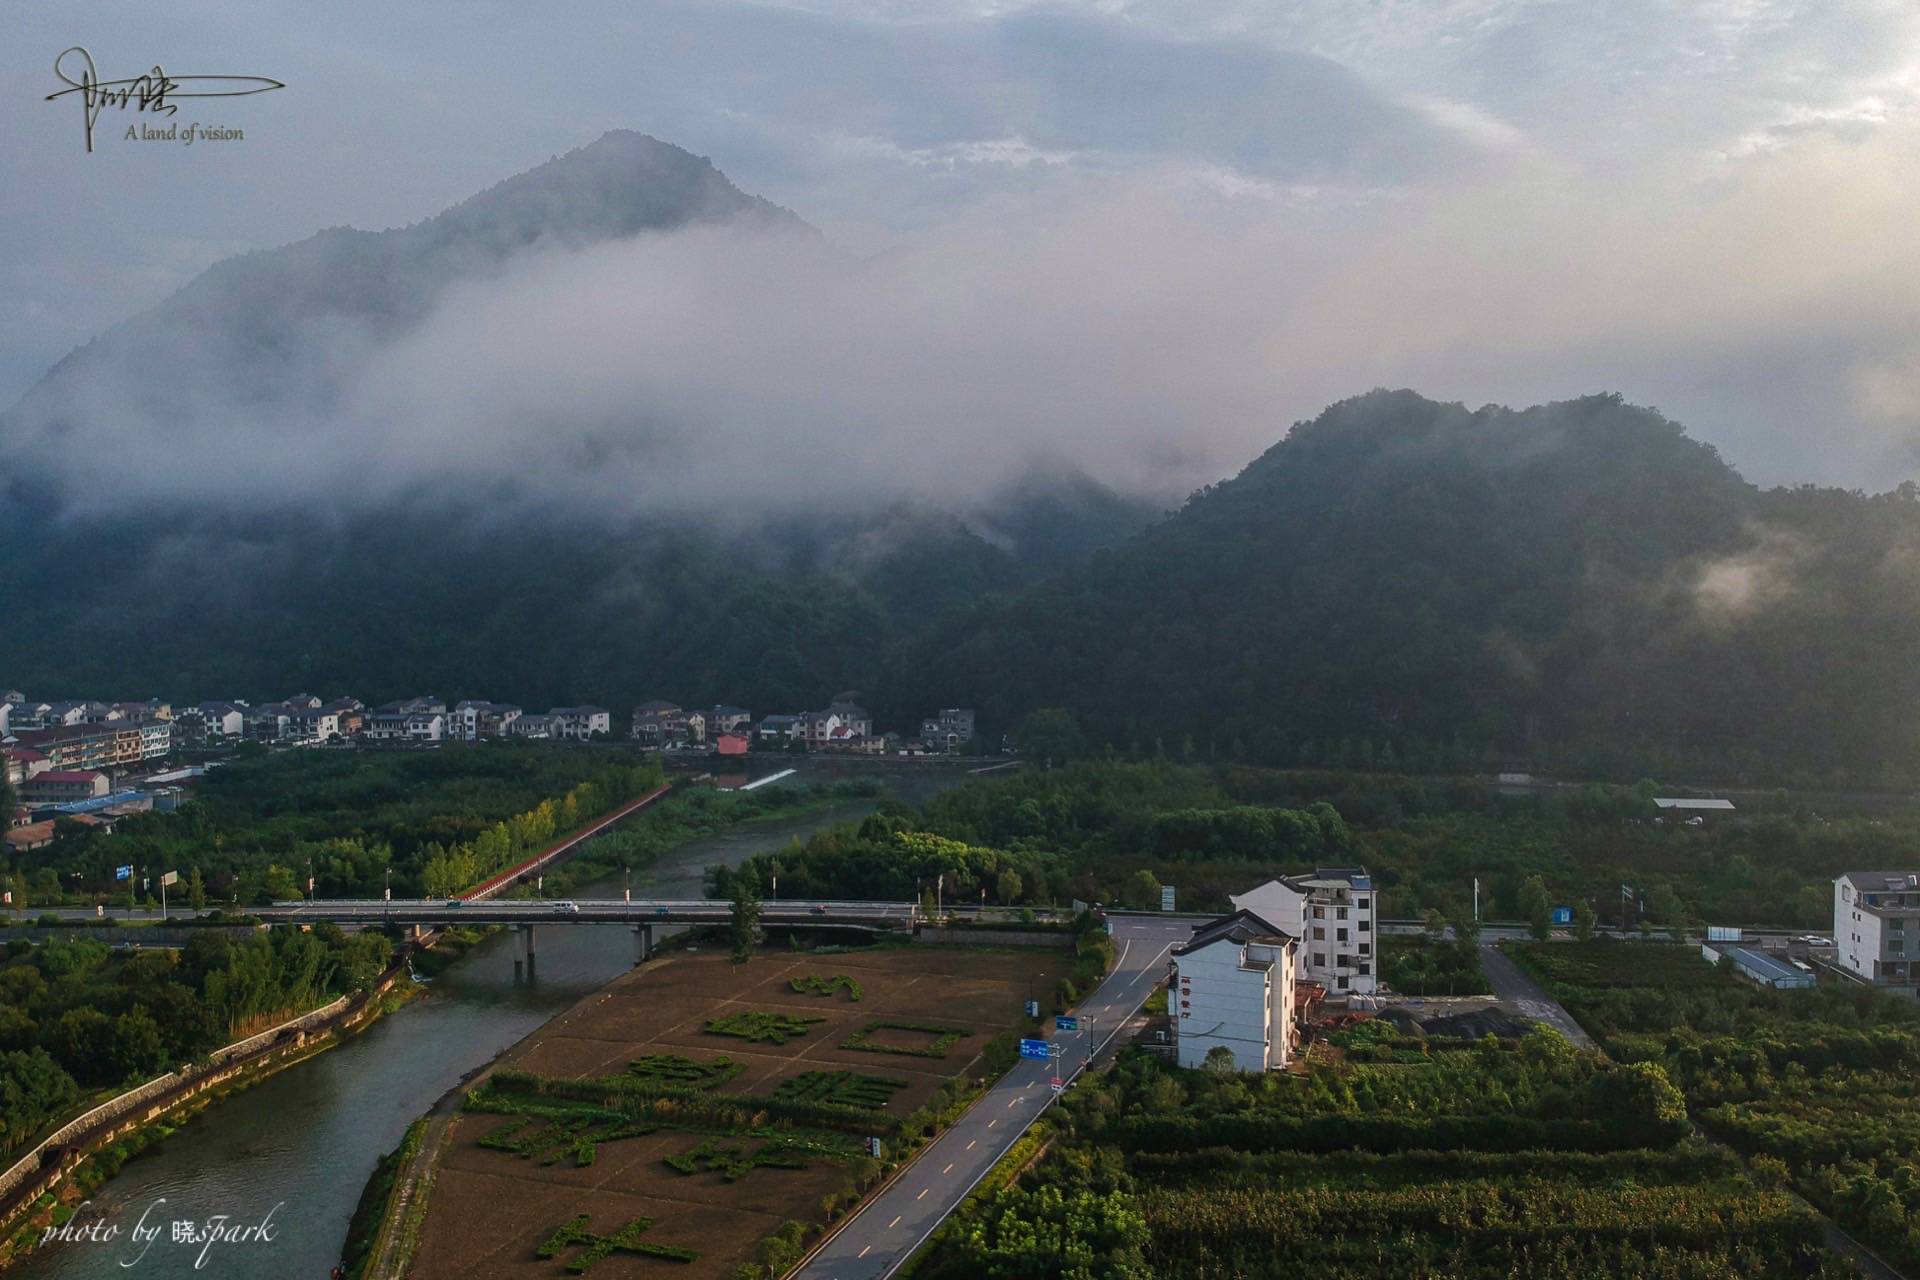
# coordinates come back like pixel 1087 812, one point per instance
pixel 1233 988
pixel 579 723
pixel 1876 928
pixel 412 720
pixel 473 720
pixel 1331 912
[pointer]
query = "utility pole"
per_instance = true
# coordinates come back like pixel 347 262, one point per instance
pixel 629 871
pixel 939 895
pixel 1476 898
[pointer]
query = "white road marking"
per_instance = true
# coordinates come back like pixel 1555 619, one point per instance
pixel 864 1252
pixel 948 1169
pixel 923 1193
pixel 894 1223
pixel 992 1123
pixel 970 1144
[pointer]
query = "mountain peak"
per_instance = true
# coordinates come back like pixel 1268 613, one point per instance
pixel 618 185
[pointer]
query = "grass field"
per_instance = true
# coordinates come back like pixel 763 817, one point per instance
pixel 628 1109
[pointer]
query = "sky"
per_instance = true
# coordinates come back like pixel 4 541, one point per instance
pixel 1136 238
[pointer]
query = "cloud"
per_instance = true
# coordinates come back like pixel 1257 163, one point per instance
pixel 1152 330
pixel 1728 589
pixel 1138 240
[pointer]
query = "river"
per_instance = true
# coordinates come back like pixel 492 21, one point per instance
pixel 295 1150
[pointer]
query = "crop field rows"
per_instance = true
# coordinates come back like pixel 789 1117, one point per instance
pixel 713 1103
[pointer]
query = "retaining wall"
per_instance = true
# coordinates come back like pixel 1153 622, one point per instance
pixel 49 1163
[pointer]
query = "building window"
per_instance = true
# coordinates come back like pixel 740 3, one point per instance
pixel 1340 935
pixel 1319 959
pixel 1361 903
pixel 1366 926
pixel 1319 913
pixel 1366 948
pixel 1343 984
pixel 1343 913
pixel 1319 933
pixel 1365 968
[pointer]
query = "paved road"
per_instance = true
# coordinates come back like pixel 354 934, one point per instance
pixel 891 1226
pixel 1524 996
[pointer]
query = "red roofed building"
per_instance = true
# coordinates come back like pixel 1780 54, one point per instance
pixel 62 786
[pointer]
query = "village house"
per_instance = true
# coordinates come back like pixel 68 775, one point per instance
pixel 24 763
pixel 61 786
pixel 949 731
pixel 213 721
pixel 778 730
pixel 1876 929
pixel 1233 989
pixel 841 726
pixel 409 720
pixel 580 723
pixel 722 718
pixel 1332 913
pixel 473 720
pixel 654 722
pixel 531 726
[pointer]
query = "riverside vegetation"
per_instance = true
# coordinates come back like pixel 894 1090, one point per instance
pixel 77 1017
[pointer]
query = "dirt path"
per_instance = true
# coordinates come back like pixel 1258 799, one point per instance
pixel 1522 995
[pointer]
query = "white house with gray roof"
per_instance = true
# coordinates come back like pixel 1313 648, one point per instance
pixel 1876 928
pixel 1233 988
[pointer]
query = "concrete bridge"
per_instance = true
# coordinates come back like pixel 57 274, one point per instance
pixel 642 916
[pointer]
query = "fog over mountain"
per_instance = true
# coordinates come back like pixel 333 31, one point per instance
pixel 623 331
pixel 614 429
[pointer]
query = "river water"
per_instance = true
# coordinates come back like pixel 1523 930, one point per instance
pixel 294 1151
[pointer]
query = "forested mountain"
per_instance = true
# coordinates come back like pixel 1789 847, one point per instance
pixel 278 334
pixel 1406 582
pixel 1397 582
pixel 183 511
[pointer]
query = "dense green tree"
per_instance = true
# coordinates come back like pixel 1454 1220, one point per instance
pixel 1536 904
pixel 1050 737
pixel 1584 920
pixel 743 927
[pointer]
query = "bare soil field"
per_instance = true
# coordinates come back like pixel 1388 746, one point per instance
pixel 492 1207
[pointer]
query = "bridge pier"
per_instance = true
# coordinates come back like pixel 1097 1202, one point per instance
pixel 523 952
pixel 642 943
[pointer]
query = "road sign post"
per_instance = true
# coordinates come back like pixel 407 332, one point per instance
pixel 1066 1023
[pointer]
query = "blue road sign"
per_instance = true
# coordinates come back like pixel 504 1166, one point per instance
pixel 1034 1049
pixel 123 873
pixel 1064 1023
pixel 1563 915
